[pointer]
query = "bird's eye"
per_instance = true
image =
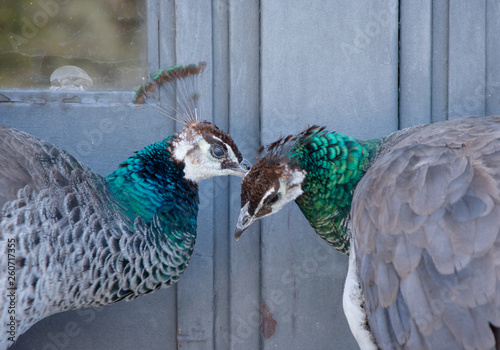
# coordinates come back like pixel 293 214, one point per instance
pixel 217 152
pixel 272 198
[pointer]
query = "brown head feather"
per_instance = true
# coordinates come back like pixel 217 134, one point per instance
pixel 258 181
pixel 270 167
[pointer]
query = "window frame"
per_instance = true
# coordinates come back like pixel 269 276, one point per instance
pixel 155 10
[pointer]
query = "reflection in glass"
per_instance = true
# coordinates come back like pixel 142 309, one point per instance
pixel 107 39
pixel 70 78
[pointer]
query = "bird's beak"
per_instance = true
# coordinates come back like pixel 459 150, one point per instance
pixel 242 168
pixel 244 221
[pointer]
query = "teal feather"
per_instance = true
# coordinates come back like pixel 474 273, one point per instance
pixel 335 162
pixel 83 240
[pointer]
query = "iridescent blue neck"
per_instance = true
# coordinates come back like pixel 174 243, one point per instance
pixel 150 182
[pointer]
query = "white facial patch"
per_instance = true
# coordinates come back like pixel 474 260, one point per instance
pixel 199 164
pixel 296 177
pixel 182 146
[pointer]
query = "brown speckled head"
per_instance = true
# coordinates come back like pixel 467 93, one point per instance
pixel 263 176
pixel 273 181
pixel 267 187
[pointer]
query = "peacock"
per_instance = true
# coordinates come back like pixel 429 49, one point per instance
pixel 417 211
pixel 72 239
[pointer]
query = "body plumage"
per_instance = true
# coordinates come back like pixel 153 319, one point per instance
pixel 420 219
pixel 82 240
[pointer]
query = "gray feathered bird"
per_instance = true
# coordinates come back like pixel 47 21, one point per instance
pixel 72 239
pixel 419 212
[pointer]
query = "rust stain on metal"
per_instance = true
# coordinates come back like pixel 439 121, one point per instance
pixel 267 321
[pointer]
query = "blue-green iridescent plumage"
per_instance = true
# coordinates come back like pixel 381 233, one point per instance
pixel 83 240
pixel 150 183
pixel 334 163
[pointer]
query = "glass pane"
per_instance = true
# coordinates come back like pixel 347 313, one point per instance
pixel 105 40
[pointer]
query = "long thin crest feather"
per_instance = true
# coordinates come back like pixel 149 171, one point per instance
pixel 174 92
pixel 280 148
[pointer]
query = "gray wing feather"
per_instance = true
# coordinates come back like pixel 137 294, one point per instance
pixel 27 161
pixel 426 224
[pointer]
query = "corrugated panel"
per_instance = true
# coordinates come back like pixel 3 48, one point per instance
pixel 275 68
pixel 467 57
pixel 415 63
pixel 492 88
pixel 439 89
pixel 244 124
pixel 195 299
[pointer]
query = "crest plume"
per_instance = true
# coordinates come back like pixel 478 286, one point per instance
pixel 180 85
pixel 280 148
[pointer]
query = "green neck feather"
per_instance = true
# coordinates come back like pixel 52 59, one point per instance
pixel 334 164
pixel 149 184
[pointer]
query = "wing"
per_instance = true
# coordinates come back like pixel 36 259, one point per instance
pixel 426 222
pixel 26 160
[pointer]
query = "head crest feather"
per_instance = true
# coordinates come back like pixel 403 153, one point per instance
pixel 280 149
pixel 177 88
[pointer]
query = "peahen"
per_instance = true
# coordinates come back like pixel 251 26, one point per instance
pixel 419 213
pixel 72 239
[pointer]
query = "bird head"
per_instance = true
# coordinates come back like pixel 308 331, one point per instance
pixel 203 149
pixel 269 185
pixel 274 180
pixel 206 151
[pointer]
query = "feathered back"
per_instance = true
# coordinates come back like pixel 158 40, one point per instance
pixel 27 161
pixel 179 84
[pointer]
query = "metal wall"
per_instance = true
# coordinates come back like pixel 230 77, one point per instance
pixel 275 68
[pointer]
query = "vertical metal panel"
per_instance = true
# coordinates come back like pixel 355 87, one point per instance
pixel 220 67
pixel 467 80
pixel 316 54
pixel 492 90
pixel 153 22
pixel 161 54
pixel 164 22
pixel 244 113
pixel 440 30
pixel 415 65
pixel 195 301
pixel 326 63
pixel 167 33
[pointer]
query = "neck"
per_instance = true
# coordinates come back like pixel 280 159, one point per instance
pixel 334 164
pixel 150 182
